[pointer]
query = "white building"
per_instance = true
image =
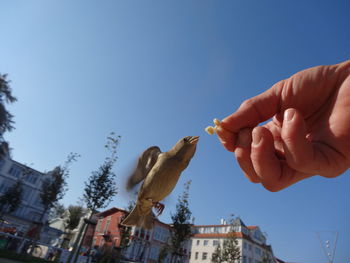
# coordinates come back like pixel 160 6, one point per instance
pixel 30 209
pixel 147 245
pixel 251 242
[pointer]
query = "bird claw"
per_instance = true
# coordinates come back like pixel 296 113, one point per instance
pixel 159 207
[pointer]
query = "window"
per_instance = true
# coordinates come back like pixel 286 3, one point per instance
pixel 250 260
pixel 215 242
pixel 107 224
pixel 15 171
pixel 5 184
pixel 245 245
pixel 250 247
pixel 196 255
pixel 205 243
pixel 20 212
pixel 32 178
pixel 34 216
pixel 154 252
pixel 103 242
pixel 257 251
pixel 244 259
pixel 198 242
pixel 26 193
pixel 204 255
pixel 116 242
pixel 2 162
pixel 98 227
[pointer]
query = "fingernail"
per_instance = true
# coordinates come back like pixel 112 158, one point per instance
pixel 244 138
pixel 289 114
pixel 256 138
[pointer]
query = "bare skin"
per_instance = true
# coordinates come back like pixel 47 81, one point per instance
pixel 308 133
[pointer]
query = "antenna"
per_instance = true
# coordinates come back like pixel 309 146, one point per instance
pixel 326 244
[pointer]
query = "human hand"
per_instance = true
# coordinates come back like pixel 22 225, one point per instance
pixel 309 133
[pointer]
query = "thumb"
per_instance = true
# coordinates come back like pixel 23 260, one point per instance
pixel 255 110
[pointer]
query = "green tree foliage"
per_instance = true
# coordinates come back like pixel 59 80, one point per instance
pixel 266 258
pixel 125 230
pixel 53 188
pixel 231 252
pixel 76 212
pixel 162 254
pixel 181 225
pixel 11 199
pixel 217 256
pixel 5 96
pixel 101 186
pixel 6 118
pixel 228 251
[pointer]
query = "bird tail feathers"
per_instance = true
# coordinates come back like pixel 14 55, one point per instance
pixel 139 218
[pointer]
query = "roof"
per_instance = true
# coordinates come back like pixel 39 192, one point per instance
pixel 217 235
pixel 27 167
pixel 238 222
pixel 110 211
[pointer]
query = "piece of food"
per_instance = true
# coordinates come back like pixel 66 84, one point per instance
pixel 210 129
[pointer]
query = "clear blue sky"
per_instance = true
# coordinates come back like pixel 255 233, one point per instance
pixel 155 71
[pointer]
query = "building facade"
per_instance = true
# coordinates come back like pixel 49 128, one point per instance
pixel 145 246
pixel 251 242
pixel 30 210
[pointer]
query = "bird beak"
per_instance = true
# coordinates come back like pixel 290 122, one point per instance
pixel 194 139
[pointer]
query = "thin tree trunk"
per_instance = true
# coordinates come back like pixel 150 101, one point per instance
pixel 85 227
pixel 38 232
pixel 76 243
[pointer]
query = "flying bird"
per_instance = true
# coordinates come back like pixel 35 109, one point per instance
pixel 160 172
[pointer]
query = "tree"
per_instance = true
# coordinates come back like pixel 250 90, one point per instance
pixel 229 250
pixel 6 122
pixel 11 199
pixel 76 212
pixel 5 96
pixel 53 188
pixel 181 227
pixel 100 188
pixel 125 230
pixel 162 254
pixel 266 258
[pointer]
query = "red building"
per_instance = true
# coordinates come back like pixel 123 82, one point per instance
pixel 107 230
pixel 145 245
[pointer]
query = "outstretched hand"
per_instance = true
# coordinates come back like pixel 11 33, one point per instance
pixel 309 133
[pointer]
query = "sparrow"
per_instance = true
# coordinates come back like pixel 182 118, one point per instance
pixel 160 172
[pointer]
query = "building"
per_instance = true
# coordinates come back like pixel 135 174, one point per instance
pixel 145 245
pixel 30 210
pixel 107 231
pixel 251 242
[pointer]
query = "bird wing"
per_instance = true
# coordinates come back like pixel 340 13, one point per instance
pixel 144 164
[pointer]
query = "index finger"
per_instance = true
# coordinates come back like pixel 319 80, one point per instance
pixel 255 110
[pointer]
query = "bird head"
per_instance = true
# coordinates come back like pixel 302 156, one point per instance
pixel 186 147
